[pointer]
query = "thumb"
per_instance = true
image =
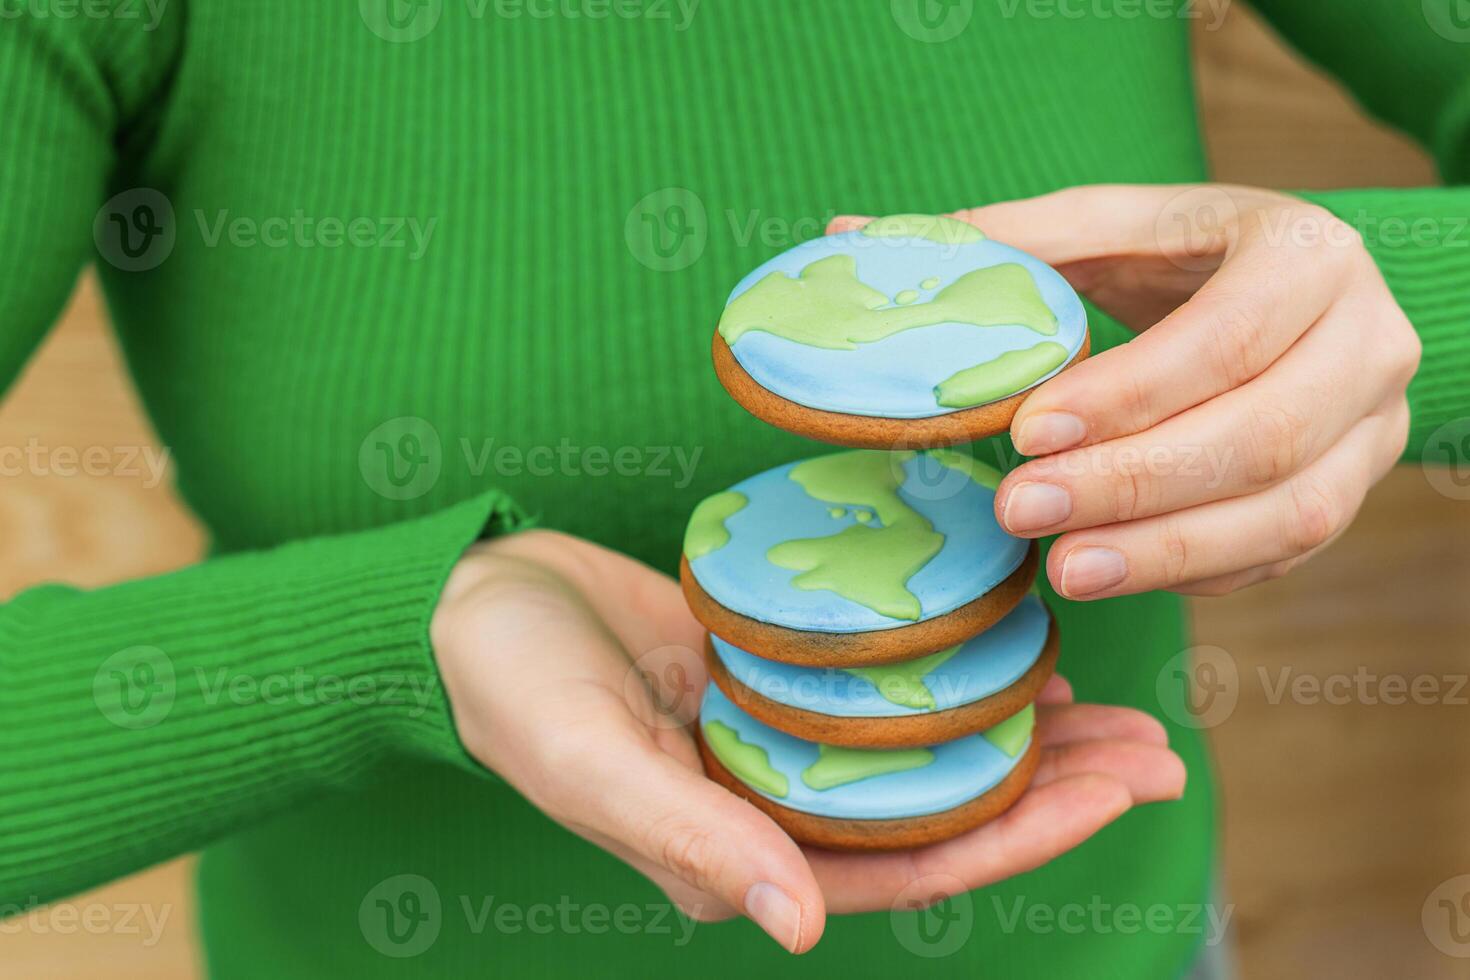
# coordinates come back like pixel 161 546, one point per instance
pixel 705 836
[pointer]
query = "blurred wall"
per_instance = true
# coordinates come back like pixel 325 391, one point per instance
pixel 1340 819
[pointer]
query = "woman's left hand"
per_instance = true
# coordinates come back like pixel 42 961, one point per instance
pixel 1238 434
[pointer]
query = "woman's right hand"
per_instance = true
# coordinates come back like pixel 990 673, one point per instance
pixel 574 673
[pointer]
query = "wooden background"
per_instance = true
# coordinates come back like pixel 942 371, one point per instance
pixel 1339 819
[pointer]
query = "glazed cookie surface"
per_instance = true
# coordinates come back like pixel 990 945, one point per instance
pixel 867 799
pixel 914 317
pixel 853 542
pixel 860 784
pixel 958 691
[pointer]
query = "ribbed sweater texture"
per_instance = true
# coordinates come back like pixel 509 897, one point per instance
pixel 393 276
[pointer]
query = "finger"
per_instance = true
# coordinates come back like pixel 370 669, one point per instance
pixel 1080 223
pixel 1151 772
pixel 1396 418
pixel 1070 225
pixel 560 730
pixel 847 222
pixel 1227 536
pixel 1265 293
pixel 693 902
pixel 1221 585
pixel 1046 822
pixel 1243 441
pixel 1065 724
pixel 1260 301
pixel 697 831
pixel 1235 581
pixel 1056 690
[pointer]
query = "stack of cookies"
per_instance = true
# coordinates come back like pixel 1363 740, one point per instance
pixel 876 641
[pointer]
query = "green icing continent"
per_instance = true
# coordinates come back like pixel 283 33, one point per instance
pixel 706 531
pixel 930 283
pixel 981 473
pixel 829 307
pixel 838 766
pixel 1005 375
pixel 865 563
pixel 903 684
pixel 1010 735
pixel 938 228
pixel 749 763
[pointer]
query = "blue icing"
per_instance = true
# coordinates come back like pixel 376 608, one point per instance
pixel 895 377
pixel 962 770
pixel 976 556
pixel 989 663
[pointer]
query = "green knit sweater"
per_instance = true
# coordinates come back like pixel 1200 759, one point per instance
pixel 394 274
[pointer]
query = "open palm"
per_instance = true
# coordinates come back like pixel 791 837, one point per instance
pixel 574 674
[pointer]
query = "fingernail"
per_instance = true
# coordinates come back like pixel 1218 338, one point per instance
pixel 776 912
pixel 1032 506
pixel 1089 570
pixel 1050 432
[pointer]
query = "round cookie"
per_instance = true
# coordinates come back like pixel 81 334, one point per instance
pixel 915 330
pixel 867 799
pixel 958 691
pixel 855 558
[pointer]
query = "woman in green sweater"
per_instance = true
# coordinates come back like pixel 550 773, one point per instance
pixel 391 276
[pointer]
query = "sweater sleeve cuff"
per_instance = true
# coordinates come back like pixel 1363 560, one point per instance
pixel 145 719
pixel 1420 240
pixel 402 570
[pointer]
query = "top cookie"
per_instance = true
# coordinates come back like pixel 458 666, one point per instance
pixel 914 330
